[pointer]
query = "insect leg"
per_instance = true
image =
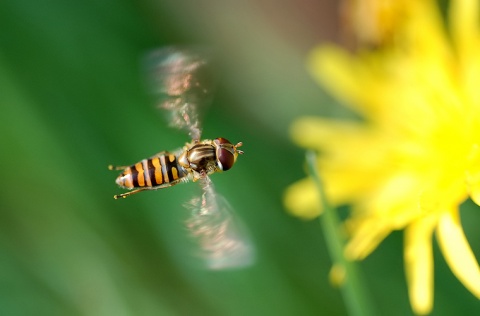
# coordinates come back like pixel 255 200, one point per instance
pixel 124 195
pixel 112 167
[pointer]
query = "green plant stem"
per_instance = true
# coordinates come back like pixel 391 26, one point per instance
pixel 353 289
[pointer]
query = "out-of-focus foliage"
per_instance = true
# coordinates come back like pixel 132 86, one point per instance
pixel 73 100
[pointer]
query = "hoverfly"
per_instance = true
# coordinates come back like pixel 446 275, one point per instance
pixel 179 78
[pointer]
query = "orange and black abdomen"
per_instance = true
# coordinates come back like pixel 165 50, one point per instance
pixel 153 172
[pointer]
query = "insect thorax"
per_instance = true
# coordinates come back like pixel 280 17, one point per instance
pixel 200 158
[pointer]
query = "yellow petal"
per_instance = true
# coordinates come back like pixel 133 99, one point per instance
pixel 368 233
pixel 425 29
pixel 419 264
pixel 315 132
pixel 395 200
pixel 337 275
pixel 374 22
pixel 473 184
pixel 463 16
pixel 340 72
pixel 457 251
pixel 301 199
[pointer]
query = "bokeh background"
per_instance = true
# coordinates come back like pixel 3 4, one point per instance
pixel 73 100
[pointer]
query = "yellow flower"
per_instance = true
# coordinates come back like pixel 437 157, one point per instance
pixel 416 156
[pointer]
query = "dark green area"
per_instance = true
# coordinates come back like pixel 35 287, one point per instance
pixel 73 100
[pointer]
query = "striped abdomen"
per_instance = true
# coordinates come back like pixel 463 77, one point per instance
pixel 162 170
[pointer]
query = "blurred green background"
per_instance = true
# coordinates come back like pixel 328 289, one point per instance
pixel 73 100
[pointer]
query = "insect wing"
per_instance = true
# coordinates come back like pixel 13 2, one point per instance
pixel 182 82
pixel 223 239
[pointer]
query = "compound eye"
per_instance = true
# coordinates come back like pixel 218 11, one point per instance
pixel 221 141
pixel 225 158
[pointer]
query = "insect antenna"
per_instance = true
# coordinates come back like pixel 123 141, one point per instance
pixel 239 144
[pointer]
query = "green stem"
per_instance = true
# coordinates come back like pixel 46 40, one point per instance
pixel 352 288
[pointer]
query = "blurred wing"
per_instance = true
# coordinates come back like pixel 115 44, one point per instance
pixel 182 83
pixel 223 239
